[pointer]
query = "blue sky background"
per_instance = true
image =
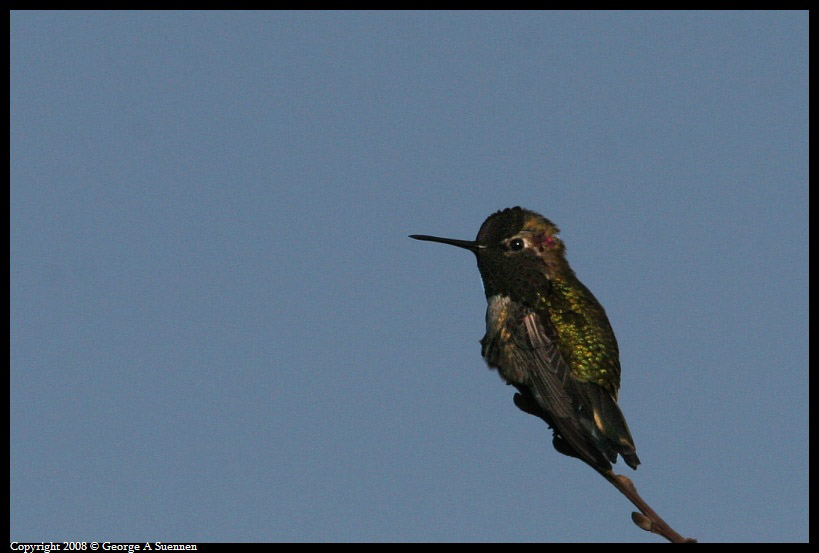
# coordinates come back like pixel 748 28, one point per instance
pixel 221 332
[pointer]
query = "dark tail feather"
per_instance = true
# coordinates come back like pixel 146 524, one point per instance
pixel 596 439
pixel 611 427
pixel 568 438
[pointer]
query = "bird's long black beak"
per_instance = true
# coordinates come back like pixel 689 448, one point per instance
pixel 466 244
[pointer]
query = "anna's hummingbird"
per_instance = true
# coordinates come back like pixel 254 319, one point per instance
pixel 548 336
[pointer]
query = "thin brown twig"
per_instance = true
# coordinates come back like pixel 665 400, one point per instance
pixel 649 520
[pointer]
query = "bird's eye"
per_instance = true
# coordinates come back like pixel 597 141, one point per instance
pixel 516 245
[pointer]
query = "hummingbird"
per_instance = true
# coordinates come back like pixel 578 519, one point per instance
pixel 549 337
